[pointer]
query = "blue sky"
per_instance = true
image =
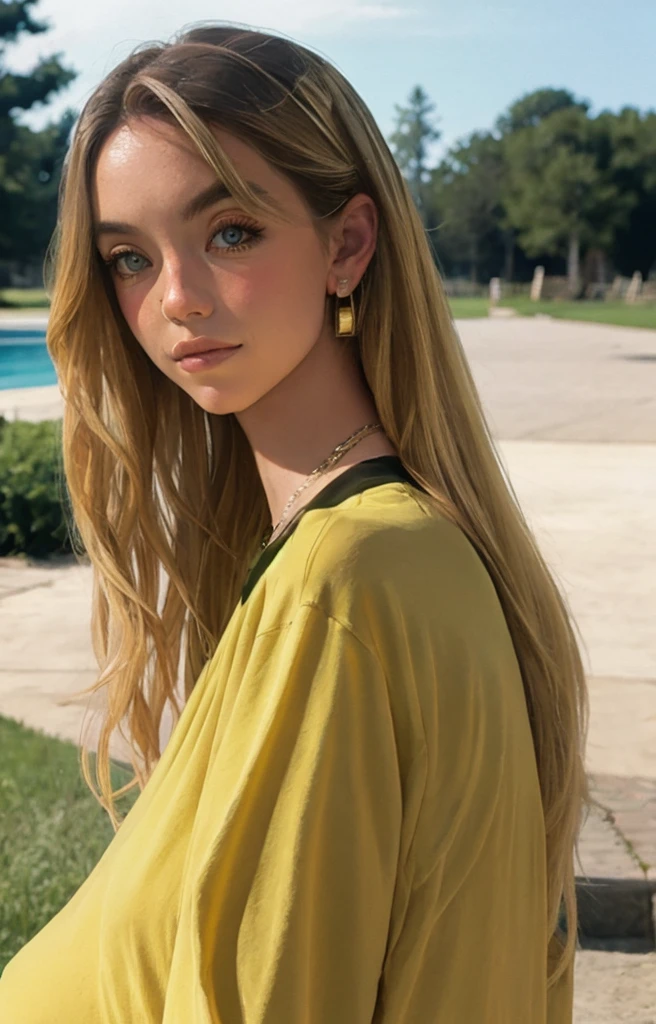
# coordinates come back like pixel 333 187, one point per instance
pixel 473 57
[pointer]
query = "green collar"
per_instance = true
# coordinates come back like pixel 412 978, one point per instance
pixel 382 469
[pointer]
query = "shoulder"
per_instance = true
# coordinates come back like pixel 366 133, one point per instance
pixel 389 556
pixel 407 582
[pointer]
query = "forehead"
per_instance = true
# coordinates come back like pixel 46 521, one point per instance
pixel 149 163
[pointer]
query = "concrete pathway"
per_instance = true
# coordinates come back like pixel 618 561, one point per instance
pixel 576 406
pixel 615 988
pixel 557 380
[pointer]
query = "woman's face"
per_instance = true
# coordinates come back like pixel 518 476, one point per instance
pixel 218 273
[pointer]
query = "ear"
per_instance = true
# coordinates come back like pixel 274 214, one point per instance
pixel 352 244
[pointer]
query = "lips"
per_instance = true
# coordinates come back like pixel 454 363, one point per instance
pixel 207 360
pixel 198 346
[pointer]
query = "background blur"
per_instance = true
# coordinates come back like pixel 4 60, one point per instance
pixel 525 129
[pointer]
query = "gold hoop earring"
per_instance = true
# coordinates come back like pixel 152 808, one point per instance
pixel 345 326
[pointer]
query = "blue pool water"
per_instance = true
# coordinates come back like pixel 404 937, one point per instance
pixel 24 359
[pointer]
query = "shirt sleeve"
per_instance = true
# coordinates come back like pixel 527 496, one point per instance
pixel 297 902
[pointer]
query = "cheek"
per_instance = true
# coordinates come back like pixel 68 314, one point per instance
pixel 143 316
pixel 286 293
pixel 136 312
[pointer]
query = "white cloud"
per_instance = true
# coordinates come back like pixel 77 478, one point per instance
pixel 98 24
pixel 93 37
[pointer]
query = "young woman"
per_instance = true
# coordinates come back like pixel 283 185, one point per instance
pixel 368 807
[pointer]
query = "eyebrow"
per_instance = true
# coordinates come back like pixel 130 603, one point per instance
pixel 215 193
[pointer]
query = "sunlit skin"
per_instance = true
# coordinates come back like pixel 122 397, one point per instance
pixel 258 283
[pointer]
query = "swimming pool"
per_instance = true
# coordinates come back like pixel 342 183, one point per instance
pixel 24 358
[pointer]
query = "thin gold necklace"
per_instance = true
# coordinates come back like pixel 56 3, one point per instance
pixel 340 450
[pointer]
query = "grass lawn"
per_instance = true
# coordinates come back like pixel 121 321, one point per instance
pixel 597 312
pixel 52 830
pixel 32 298
pixel 468 309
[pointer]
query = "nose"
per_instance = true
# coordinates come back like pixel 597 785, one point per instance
pixel 184 296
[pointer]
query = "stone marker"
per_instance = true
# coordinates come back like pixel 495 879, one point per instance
pixel 536 285
pixel 495 290
pixel 616 288
pixel 633 291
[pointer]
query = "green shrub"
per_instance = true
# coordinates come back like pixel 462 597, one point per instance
pixel 32 490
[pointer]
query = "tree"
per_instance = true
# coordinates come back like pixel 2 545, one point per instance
pixel 33 170
pixel 30 162
pixel 557 196
pixel 626 150
pixel 533 108
pixel 414 130
pixel 528 112
pixel 467 186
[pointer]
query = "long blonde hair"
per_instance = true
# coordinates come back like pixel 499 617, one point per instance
pixel 159 486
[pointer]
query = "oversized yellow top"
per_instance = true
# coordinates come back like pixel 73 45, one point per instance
pixel 345 826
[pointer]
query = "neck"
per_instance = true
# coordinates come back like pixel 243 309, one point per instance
pixel 297 424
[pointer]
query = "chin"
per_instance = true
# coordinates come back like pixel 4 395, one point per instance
pixel 212 402
pixel 217 402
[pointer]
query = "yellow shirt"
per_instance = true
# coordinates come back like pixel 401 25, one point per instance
pixel 345 826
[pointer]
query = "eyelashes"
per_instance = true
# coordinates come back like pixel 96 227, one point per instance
pixel 249 228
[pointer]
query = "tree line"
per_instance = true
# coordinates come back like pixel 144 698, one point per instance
pixel 549 183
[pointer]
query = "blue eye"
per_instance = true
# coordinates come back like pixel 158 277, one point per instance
pixel 233 233
pixel 130 256
pixel 124 254
pixel 231 230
